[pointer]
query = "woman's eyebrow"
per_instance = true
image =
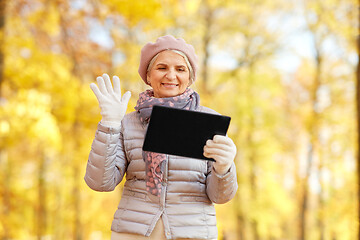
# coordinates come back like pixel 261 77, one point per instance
pixel 178 66
pixel 160 63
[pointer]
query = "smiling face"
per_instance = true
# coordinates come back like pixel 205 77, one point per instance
pixel 169 76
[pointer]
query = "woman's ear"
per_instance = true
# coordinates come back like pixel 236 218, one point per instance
pixel 190 82
pixel 148 79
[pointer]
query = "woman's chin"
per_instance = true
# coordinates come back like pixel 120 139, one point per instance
pixel 168 93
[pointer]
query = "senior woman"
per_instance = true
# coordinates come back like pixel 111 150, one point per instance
pixel 164 196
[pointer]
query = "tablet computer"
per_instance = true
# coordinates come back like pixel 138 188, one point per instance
pixel 182 132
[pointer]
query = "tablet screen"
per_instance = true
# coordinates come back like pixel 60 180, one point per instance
pixel 182 132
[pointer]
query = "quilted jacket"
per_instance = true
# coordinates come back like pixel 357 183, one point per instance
pixel 190 186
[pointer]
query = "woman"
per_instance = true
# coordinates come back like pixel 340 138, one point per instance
pixel 164 196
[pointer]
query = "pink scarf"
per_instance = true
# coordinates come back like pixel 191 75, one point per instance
pixel 189 100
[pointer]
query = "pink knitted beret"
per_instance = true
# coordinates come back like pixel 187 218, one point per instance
pixel 165 43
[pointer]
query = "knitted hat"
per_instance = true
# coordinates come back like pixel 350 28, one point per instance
pixel 165 43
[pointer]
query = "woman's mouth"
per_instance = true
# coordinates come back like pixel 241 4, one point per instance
pixel 169 85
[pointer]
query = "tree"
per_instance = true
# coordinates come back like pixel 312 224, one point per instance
pixel 358 122
pixel 5 210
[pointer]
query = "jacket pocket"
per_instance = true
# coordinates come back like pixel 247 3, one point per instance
pixel 134 194
pixel 195 199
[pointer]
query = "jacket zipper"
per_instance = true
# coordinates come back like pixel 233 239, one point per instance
pixel 164 184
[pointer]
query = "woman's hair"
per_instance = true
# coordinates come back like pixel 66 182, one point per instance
pixel 192 75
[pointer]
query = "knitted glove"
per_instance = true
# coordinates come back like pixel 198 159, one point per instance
pixel 223 150
pixel 112 105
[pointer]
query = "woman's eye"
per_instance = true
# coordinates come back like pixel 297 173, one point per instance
pixel 181 69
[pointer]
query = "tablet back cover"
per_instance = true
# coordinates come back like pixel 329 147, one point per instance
pixel 182 132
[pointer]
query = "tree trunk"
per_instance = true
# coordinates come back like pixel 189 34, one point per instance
pixel 77 233
pixel 2 36
pixel 252 154
pixel 77 225
pixel 314 133
pixel 4 163
pixel 208 18
pixel 240 220
pixel 41 210
pixel 304 196
pixel 253 180
pixel 71 52
pixel 321 198
pixel 358 123
pixel 6 194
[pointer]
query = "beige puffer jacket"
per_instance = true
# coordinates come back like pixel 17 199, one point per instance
pixel 190 186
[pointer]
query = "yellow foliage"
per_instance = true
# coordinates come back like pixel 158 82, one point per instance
pixel 135 12
pixel 46 19
pixel 28 115
pixel 48 114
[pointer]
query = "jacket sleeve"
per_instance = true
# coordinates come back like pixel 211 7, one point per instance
pixel 221 188
pixel 107 163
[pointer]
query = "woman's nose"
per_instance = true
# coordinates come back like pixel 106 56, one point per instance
pixel 171 75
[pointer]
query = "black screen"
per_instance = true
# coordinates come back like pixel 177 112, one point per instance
pixel 182 132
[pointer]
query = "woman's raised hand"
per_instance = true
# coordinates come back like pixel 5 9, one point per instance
pixel 223 150
pixel 113 106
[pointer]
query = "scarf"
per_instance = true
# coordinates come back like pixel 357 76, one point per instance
pixel 189 100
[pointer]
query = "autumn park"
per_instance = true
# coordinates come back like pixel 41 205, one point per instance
pixel 286 71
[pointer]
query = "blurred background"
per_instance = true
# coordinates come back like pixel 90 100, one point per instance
pixel 284 70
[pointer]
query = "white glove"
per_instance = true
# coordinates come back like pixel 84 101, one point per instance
pixel 112 105
pixel 223 150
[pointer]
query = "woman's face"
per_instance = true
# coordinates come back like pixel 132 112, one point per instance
pixel 169 75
